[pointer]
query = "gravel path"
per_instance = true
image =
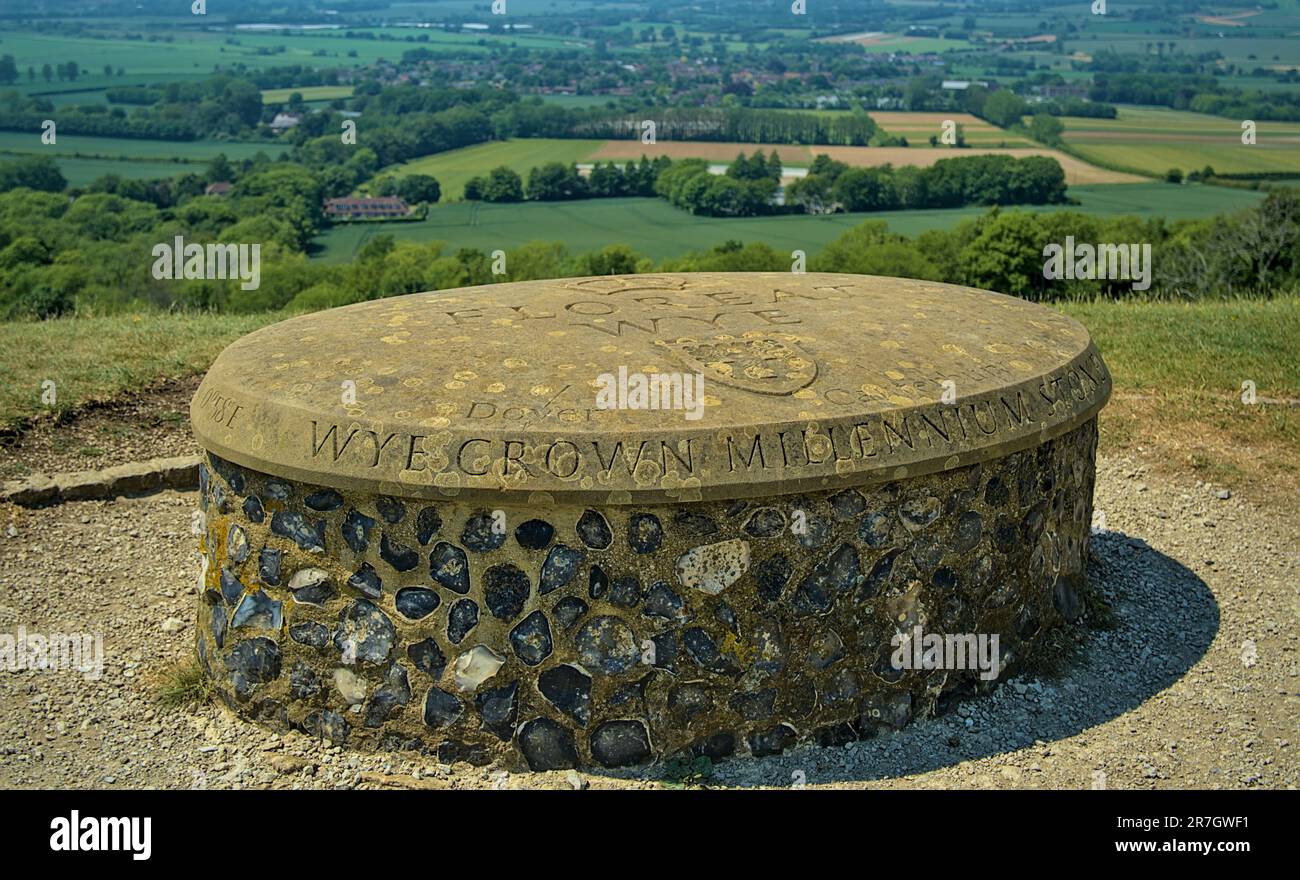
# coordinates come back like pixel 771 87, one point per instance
pixel 1197 685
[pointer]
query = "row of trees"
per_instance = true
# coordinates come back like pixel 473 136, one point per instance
pixel 949 183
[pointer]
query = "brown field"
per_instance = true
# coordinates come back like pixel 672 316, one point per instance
pixel 714 151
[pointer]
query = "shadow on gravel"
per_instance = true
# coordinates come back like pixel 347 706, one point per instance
pixel 1165 618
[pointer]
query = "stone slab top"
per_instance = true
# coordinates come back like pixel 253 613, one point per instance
pixel 649 388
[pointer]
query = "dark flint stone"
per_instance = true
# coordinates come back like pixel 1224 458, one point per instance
pixel 204 476
pixel 645 533
pixel 531 639
pixel 843 687
pixel 277 490
pixel 727 617
pixel 453 752
pixel 665 650
pixel 394 692
pixel 996 493
pixel 891 708
pixel 716 747
pixel 534 534
pixel 772 575
pixel 365 632
pixel 1032 525
pixel 1066 598
pixel 356 530
pixel 919 510
pixel 268 566
pixel 498 709
pixel 296 527
pixel 798 698
pixel 885 668
pixel 257 611
pixel 559 568
pixel 309 633
pixel 230 472
pixel 689 699
pixel 396 742
pixel 755 706
pixel 328 725
pixel 568 689
pixel 505 589
pixel 441 708
pixel 836 575
pixel 1005 536
pixel 874 529
pixel 847 504
pixel 769 647
pixel 219 497
pixel 704 651
pixel 967 534
pixel 253 662
pixel 620 744
pixel 324 500
pixel 218 624
pixel 825 648
pixel 314 594
pixel 568 611
pixel 626 592
pixel 662 602
pixel 390 509
pixel 597 582
pixel 303 682
pixel 462 618
pixel 773 741
pixel 594 530
pixel 367 581
pixel 231 587
pixel 696 525
pixel 837 735
pixel 427 657
pixel 735 509
pixel 944 579
pixel 926 551
pixel 606 643
pixel 547 746
pixel 449 566
pixel 399 556
pixel 480 536
pixel 415 603
pixel 881 569
pixel 427 524
pixel 815 532
pixel 766 522
pixel 631 693
pixel 253 509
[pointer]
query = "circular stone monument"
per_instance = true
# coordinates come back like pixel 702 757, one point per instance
pixel 602 521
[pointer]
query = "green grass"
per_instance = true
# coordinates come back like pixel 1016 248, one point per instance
pixel 657 230
pixel 80 172
pixel 309 93
pixel 454 167
pixel 98 358
pixel 1154 140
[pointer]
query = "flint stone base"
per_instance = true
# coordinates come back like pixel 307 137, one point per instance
pixel 559 637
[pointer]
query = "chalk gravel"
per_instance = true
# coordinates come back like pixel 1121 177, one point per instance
pixel 1172 697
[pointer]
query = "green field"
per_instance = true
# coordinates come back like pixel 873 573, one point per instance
pixel 309 94
pixel 81 146
pixel 454 167
pixel 81 172
pixel 655 229
pixel 1155 139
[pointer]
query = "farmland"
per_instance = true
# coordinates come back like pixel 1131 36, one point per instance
pixel 653 228
pixel 1155 139
pixel 919 127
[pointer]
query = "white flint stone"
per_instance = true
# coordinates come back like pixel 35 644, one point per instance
pixel 711 568
pixel 476 666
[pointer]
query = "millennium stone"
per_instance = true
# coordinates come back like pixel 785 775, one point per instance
pixel 612 583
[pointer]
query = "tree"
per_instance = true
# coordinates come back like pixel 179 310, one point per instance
pixel 417 188
pixel 47 72
pixel 8 70
pixel 33 172
pixel 1004 108
pixel 502 185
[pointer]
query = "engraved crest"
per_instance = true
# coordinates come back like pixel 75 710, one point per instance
pixel 606 285
pixel 761 363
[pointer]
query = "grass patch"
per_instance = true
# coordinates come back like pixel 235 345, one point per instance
pixel 183 685
pixel 95 359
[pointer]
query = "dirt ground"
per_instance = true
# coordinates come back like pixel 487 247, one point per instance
pixel 1196 685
